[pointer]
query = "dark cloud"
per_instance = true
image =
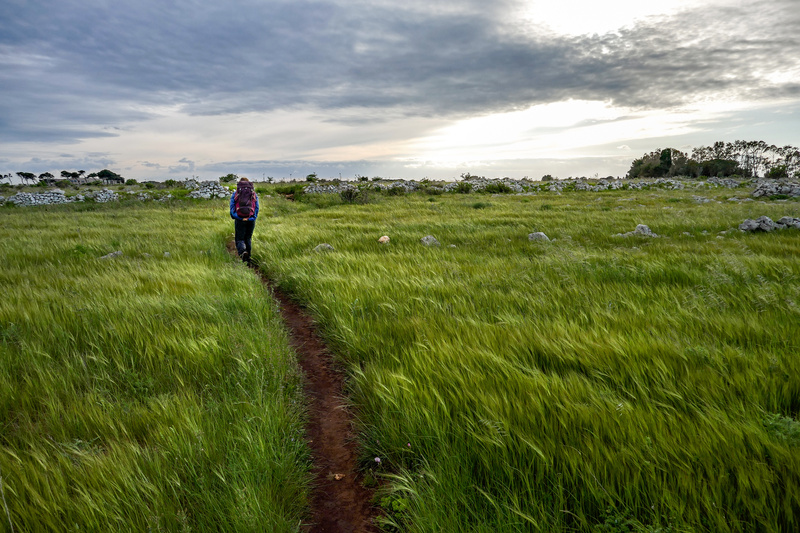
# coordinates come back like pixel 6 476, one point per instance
pixel 74 69
pixel 186 166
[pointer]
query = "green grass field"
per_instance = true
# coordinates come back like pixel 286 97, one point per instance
pixel 590 383
pixel 142 393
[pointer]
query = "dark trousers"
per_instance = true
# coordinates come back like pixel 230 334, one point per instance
pixel 244 234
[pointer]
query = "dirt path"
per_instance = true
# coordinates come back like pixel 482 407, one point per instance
pixel 339 502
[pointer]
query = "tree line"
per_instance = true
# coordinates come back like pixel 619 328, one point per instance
pixel 749 159
pixel 48 178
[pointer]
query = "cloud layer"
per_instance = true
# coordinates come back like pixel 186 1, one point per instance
pixel 72 70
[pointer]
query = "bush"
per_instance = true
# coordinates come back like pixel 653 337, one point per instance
pixel 355 195
pixel 779 171
pixel 547 177
pixel 170 183
pixel 463 188
pixel 497 188
pixel 228 178
pixel 131 181
pixel 395 191
pixel 312 177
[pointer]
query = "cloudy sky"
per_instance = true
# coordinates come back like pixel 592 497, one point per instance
pixel 157 89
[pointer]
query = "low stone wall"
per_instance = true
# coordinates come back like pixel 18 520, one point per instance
pixel 775 187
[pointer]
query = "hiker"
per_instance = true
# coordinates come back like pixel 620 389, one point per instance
pixel 244 210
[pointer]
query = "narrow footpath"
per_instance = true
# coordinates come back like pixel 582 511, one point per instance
pixel 339 502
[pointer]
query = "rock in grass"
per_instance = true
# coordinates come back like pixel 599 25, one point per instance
pixel 324 247
pixel 766 224
pixel 641 231
pixel 384 239
pixel 429 240
pixel 112 255
pixel 538 236
pixel 790 222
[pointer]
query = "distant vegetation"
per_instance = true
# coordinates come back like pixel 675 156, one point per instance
pixel 591 383
pixel 144 392
pixel 722 159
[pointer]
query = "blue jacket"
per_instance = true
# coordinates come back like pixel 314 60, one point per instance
pixel 233 208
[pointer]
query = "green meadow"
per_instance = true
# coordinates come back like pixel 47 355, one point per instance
pixel 590 383
pixel 144 392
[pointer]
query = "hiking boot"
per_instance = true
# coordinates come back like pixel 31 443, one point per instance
pixel 246 257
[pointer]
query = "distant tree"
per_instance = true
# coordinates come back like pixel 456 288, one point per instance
pixel 131 182
pixel 229 178
pixel 46 177
pixel 27 176
pixel 547 177
pixel 66 174
pixel 109 175
pixel 6 177
pixel 312 177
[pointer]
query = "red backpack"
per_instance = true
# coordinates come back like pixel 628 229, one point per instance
pixel 245 199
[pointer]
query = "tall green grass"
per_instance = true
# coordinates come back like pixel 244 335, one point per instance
pixel 590 383
pixel 145 392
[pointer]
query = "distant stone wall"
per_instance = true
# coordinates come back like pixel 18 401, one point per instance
pixel 477 184
pixel 205 190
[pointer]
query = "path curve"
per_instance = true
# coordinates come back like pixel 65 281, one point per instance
pixel 339 501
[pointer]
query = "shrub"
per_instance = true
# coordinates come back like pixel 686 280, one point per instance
pixel 228 178
pixel 779 171
pixel 312 177
pixel 131 181
pixel 497 188
pixel 547 177
pixel 463 188
pixel 481 205
pixel 353 195
pixel 395 191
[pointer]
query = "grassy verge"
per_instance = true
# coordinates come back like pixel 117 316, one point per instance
pixel 147 392
pixel 594 382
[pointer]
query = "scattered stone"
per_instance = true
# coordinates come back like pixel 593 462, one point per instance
pixel 641 231
pixel 112 255
pixel 790 222
pixel 384 239
pixel 324 247
pixel 166 254
pixel 538 236
pixel 730 183
pixel 452 246
pixel 429 240
pixel 701 199
pixel 766 224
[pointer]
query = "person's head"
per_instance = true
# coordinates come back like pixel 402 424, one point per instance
pixel 243 179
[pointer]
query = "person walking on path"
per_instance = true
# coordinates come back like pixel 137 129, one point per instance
pixel 244 211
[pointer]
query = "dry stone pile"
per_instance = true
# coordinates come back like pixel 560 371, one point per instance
pixel 766 224
pixel 207 190
pixel 773 187
pixel 103 196
pixel 25 199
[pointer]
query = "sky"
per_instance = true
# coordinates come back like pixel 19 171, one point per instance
pixel 158 89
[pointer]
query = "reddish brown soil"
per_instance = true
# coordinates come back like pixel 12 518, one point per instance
pixel 337 505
